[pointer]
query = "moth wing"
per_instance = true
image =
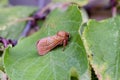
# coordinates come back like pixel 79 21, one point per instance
pixel 46 44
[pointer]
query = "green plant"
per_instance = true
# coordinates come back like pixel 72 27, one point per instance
pixel 92 52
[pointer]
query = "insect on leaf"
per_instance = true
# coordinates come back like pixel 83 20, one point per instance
pixel 23 62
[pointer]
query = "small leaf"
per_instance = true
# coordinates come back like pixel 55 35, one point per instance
pixel 23 62
pixel 9 27
pixel 102 43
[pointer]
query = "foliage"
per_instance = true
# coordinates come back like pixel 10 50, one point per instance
pixel 57 64
pixel 101 40
pixel 10 26
pixel 92 52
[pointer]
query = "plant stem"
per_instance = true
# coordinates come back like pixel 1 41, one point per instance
pixel 6 42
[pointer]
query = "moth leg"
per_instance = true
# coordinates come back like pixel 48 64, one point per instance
pixel 64 44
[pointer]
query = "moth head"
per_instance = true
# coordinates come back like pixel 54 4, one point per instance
pixel 63 34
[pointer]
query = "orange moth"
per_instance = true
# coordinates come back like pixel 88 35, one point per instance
pixel 44 45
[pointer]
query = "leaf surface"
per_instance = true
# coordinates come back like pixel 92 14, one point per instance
pixel 102 43
pixel 23 62
pixel 10 25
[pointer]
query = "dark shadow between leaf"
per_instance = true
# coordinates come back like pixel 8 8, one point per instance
pixel 73 74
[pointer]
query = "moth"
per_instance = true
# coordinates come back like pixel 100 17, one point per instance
pixel 44 45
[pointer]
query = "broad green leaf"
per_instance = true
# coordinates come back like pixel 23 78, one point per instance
pixel 79 2
pixel 9 27
pixel 102 43
pixel 23 62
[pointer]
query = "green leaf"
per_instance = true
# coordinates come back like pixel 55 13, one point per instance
pixel 23 62
pixel 102 43
pixel 9 28
pixel 79 2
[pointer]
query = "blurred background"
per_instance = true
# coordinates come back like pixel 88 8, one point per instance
pixel 92 9
pixel 38 3
pixel 96 9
